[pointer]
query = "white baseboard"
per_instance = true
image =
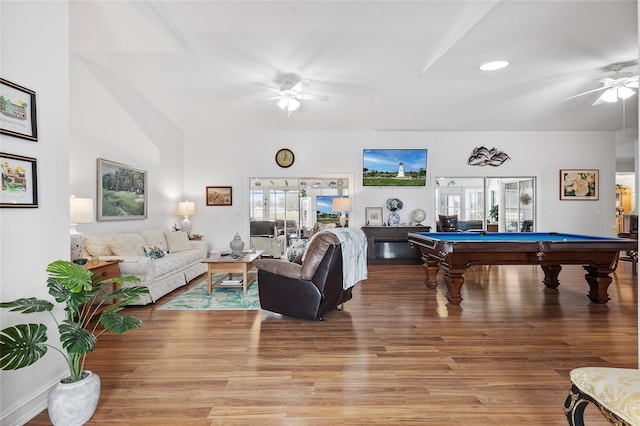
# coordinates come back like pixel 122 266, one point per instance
pixel 29 408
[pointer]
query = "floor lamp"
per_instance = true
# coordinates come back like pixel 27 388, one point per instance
pixel 80 211
pixel 342 205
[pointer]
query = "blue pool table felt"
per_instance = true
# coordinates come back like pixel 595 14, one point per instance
pixel 511 236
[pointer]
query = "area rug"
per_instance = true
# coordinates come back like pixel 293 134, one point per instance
pixel 221 298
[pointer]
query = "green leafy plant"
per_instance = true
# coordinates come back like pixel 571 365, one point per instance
pixel 493 212
pixel 77 288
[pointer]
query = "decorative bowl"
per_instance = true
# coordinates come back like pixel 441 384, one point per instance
pixel 80 261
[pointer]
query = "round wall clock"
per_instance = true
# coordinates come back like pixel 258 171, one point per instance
pixel 285 157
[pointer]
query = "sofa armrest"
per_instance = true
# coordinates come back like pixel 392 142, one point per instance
pixel 280 267
pixel 201 246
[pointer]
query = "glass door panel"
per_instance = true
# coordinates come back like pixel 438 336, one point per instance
pixel 505 204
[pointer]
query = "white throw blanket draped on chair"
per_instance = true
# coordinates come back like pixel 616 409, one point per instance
pixel 353 243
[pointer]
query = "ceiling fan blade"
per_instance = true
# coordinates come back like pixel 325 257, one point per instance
pixel 586 93
pixel 273 98
pixel 608 81
pixel 598 101
pixel 300 85
pixel 273 89
pixel 312 97
pixel 632 82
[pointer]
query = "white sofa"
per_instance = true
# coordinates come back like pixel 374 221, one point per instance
pixel 180 264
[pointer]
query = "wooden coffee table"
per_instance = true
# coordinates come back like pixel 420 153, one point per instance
pixel 228 265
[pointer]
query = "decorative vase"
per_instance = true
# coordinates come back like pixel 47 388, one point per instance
pixel 74 403
pixel 236 245
pixel 394 219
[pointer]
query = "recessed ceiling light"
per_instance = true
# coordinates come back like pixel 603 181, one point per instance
pixel 495 65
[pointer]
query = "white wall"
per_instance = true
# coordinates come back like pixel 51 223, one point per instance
pixel 110 120
pixel 230 158
pixel 34 237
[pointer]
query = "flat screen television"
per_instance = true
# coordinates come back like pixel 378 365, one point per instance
pixel 394 167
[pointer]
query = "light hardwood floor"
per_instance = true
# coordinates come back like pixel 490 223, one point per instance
pixel 396 355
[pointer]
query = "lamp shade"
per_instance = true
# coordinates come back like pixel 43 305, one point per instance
pixel 81 210
pixel 341 204
pixel 186 208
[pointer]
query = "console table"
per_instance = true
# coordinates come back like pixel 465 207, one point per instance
pixel 389 244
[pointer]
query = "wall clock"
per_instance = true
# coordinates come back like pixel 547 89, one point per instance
pixel 285 157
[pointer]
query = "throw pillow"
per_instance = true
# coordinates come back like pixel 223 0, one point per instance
pixel 177 241
pixel 154 237
pixel 154 252
pixel 98 245
pixel 128 244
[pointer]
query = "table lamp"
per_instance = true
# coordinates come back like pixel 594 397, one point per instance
pixel 342 204
pixel 186 209
pixel 80 211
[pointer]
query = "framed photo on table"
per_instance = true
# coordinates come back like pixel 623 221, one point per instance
pixel 19 181
pixel 121 191
pixel 579 184
pixel 18 111
pixel 219 196
pixel 373 216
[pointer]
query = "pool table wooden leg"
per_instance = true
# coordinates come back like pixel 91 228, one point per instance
pixel 599 281
pixel 551 273
pixel 431 268
pixel 454 280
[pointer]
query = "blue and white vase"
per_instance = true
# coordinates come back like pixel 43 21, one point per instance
pixel 394 219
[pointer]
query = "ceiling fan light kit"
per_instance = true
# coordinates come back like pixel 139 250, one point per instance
pixel 289 95
pixel 622 86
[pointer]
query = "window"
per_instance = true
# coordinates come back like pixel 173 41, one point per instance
pixel 505 204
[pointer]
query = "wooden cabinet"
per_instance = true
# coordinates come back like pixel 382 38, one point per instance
pixel 104 269
pixel 389 244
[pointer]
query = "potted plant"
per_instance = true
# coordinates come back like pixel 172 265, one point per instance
pixel 77 288
pixel 493 213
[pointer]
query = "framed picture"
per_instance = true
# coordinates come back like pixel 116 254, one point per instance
pixel 219 196
pixel 19 181
pixel 579 184
pixel 374 216
pixel 121 191
pixel 394 167
pixel 18 111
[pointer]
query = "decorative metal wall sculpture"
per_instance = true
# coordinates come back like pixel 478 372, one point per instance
pixel 482 156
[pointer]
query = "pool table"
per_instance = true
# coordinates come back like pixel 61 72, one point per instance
pixel 454 252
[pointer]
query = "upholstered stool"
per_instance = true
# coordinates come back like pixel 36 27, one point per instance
pixel 615 391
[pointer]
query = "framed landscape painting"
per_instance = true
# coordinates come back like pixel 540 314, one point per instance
pixel 18 111
pixel 19 181
pixel 579 184
pixel 121 191
pixel 219 196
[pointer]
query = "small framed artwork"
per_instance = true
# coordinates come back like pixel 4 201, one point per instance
pixel 219 195
pixel 579 184
pixel 19 181
pixel 374 216
pixel 18 111
pixel 121 191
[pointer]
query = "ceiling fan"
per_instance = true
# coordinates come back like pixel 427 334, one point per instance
pixel 622 86
pixel 290 93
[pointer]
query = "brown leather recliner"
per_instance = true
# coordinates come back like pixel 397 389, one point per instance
pixel 306 290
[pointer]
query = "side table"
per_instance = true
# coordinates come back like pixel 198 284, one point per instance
pixel 105 269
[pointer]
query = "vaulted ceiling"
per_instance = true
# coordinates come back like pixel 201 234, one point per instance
pixel 384 65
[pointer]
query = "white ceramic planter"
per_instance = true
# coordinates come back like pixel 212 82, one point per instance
pixel 73 404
